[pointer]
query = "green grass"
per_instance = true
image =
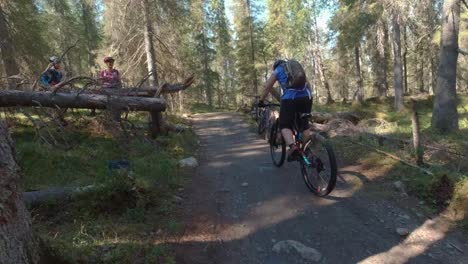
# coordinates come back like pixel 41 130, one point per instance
pixel 122 219
pixel 448 188
pixel 200 108
pixel 400 122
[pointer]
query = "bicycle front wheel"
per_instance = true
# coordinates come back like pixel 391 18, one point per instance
pixel 318 166
pixel 277 145
pixel 262 123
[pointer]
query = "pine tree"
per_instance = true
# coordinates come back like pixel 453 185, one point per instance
pixel 277 25
pixel 245 47
pixel 222 44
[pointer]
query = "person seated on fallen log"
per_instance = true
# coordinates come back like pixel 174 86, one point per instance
pixel 52 75
pixel 110 77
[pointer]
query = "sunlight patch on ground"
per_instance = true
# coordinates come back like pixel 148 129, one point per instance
pixel 419 241
pixel 261 216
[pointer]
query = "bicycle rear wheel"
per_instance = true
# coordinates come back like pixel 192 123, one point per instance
pixel 277 149
pixel 320 169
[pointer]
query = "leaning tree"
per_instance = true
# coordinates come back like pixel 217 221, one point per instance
pixel 17 243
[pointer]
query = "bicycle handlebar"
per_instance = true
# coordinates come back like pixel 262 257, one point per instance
pixel 268 104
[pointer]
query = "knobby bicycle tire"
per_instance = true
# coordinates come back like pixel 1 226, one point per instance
pixel 277 161
pixel 333 168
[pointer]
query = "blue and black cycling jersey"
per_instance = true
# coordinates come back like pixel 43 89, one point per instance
pixel 51 77
pixel 290 93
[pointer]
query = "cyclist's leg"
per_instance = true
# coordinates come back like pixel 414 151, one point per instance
pixel 286 120
pixel 304 105
pixel 287 116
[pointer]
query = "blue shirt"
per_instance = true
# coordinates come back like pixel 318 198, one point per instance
pixel 290 92
pixel 51 77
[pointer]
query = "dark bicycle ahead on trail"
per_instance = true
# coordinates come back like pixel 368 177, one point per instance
pixel 316 155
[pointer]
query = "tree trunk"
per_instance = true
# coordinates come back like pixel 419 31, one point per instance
pixel 220 96
pixel 156 122
pixel 381 60
pixel 252 48
pixel 206 68
pixel 12 98
pixel 319 61
pixel 433 75
pixel 397 67
pixel 445 115
pixel 359 81
pixel 7 51
pixel 386 58
pixel 17 244
pixel 420 73
pixel 405 61
pixel 418 151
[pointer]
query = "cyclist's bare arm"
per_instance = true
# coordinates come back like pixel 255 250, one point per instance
pixel 268 87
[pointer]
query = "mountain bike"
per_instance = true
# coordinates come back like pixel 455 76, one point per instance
pixel 261 115
pixel 255 110
pixel 264 118
pixel 316 156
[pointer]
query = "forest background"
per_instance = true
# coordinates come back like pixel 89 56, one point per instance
pixel 348 47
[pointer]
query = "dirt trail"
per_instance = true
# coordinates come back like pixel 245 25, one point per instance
pixel 239 206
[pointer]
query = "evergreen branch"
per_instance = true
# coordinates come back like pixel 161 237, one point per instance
pixel 63 83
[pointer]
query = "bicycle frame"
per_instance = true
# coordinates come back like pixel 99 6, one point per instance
pixel 298 135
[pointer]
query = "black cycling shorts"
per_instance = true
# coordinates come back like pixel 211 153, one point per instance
pixel 289 109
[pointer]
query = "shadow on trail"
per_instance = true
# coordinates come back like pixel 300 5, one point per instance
pixel 240 205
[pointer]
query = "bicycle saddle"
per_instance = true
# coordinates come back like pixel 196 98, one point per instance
pixel 305 115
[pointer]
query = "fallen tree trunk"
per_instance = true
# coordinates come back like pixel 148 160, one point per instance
pixel 143 92
pixel 321 118
pixel 12 98
pixel 59 193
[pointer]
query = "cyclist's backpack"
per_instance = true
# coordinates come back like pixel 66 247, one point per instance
pixel 296 75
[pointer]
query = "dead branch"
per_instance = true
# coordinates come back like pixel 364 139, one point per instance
pixel 464 2
pixel 68 50
pixel 394 157
pixel 173 88
pixel 9 98
pixel 409 142
pixel 142 81
pixel 462 52
pixel 320 117
pixel 56 87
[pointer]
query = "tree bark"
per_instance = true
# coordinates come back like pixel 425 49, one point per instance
pixel 17 243
pixel 405 61
pixel 359 81
pixel 419 152
pixel 319 60
pixel 382 56
pixel 7 51
pixel 206 66
pixel 445 115
pixel 420 73
pixel 12 98
pixel 156 119
pixel 397 67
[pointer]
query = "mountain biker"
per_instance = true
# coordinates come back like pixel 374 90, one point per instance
pixel 110 77
pixel 296 98
pixel 52 75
